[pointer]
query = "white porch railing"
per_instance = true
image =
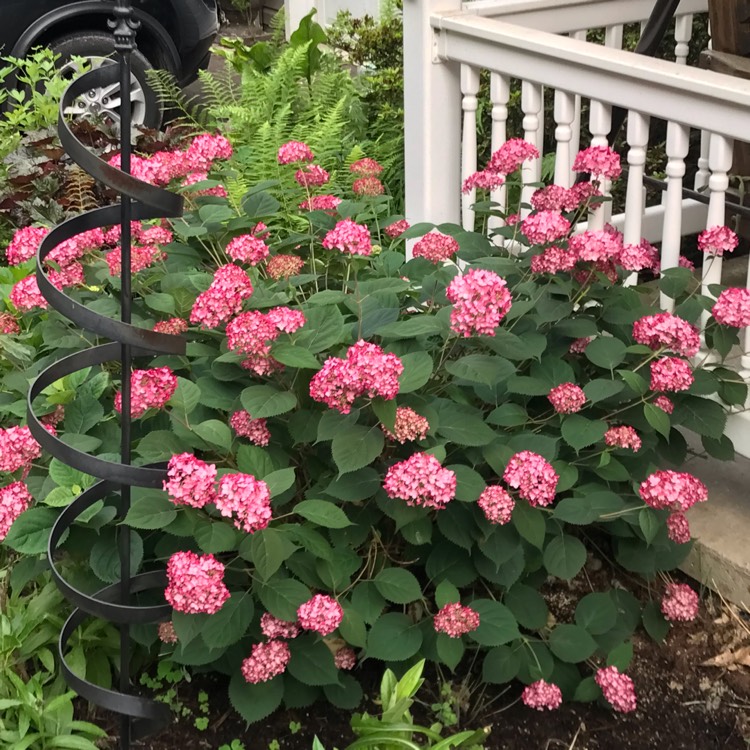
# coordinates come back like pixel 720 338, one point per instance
pixel 542 44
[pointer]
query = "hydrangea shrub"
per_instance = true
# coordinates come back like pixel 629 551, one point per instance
pixel 375 458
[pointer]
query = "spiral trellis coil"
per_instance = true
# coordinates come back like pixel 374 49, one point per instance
pixel 139 201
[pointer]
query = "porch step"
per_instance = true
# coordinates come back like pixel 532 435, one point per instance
pixel 720 558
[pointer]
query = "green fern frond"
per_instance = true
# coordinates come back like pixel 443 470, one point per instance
pixel 172 97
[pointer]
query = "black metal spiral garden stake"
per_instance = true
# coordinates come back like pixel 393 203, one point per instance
pixel 139 201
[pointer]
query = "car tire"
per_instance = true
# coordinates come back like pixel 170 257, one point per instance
pixel 98 47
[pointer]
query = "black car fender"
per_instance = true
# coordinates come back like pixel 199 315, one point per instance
pixel 86 8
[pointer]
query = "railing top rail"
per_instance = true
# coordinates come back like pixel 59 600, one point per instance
pixel 564 16
pixel 659 88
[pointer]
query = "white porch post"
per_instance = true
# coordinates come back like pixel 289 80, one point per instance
pixel 432 120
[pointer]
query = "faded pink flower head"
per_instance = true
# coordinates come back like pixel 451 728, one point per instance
pixel 345 658
pixel 366 167
pixel 266 661
pixel 420 480
pixel 542 695
pixel 167 633
pixel 173 326
pixel 567 398
pixel 8 324
pixel 397 228
pixel 456 620
pixel 623 436
pixel 496 504
pixel 641 257
pixel 272 627
pixel 322 614
pixel 368 186
pixel 284 266
pixel 255 430
pixel 409 426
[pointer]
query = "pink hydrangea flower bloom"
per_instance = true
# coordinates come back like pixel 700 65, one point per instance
pixel 272 627
pixel 321 614
pixel 349 237
pixel 542 695
pixel 266 661
pixel 366 167
pixel 370 186
pixel 247 249
pixel 345 658
pixel 533 477
pixel 623 436
pixel 142 257
pixel 190 481
pixel 679 603
pixel 673 490
pixel 596 245
pixel 667 331
pixel 223 299
pixel 509 157
pixel 18 448
pixel 150 389
pixel 486 179
pixel 480 301
pixel 246 500
pixel 664 403
pixel 155 235
pixel 456 620
pixel 255 430
pixel 397 228
pixel 550 198
pixel 167 633
pixel 409 426
pixel 293 152
pixel 718 240
pixel 15 498
pixel 173 326
pixel 24 244
pixel 641 257
pixel 567 398
pixel 544 227
pixel 196 583
pixel 436 247
pixel 671 374
pixel 8 324
pixel 421 481
pixel 553 260
pixel 618 689
pixel 579 345
pixel 194 178
pixel 678 528
pixel 733 308
pixel 284 266
pixel 311 175
pixel 320 203
pixel 496 504
pixel 205 149
pixel 599 161
pixel 25 295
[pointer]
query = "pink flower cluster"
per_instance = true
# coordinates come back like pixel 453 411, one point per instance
pixel 542 695
pixel 671 374
pixel 480 301
pixel 150 389
pixel 251 334
pixel 266 661
pixel 368 186
pixel 557 198
pixel 366 167
pixel 284 266
pixel 553 260
pixel 366 371
pixel 167 633
pixel 247 249
pixel 24 244
pixel 8 324
pixel 509 157
pixel 664 403
pixel 533 477
pixel 672 490
pixel 245 499
pixel 17 448
pixel 667 331
pixel 142 257
pixel 190 481
pixel 641 257
pixel 733 308
pixel 293 152
pixel 25 294
pixel 322 614
pixel 596 245
pixel 194 178
pixel 544 227
pixel 320 203
pixel 196 583
pixel 567 398
pixel 14 499
pixel 598 161
pixel 173 326
pixel 273 627
pixel 483 180
pixel 408 426
pixel 679 603
pixel 255 430
pixel 496 504
pixel 223 299
pixel 397 228
pixel 349 237
pixel 311 175
pixel 579 345
pixel 623 436
pixel 436 247
pixel 455 620
pixel 421 481
pixel 205 149
pixel 718 240
pixel 345 658
pixel 618 689
pixel 678 528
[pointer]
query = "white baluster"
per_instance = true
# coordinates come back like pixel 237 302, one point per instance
pixel 678 137
pixel 564 117
pixel 702 175
pixel 600 123
pixel 613 36
pixel 499 95
pixel 683 32
pixel 576 126
pixel 531 104
pixel 469 103
pixel 637 135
